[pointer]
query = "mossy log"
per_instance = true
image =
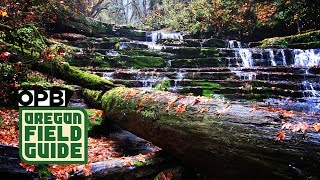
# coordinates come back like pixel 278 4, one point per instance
pixel 223 139
pixel 74 75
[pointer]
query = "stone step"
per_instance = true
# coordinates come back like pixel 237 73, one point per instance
pixel 198 90
pixel 297 70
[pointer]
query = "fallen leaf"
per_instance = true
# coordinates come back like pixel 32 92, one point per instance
pixel 280 136
pixel 301 126
pixel 181 108
pixel 171 103
pixel 196 101
pixel 316 126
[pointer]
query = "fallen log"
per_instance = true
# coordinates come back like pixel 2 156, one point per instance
pixel 130 167
pixel 223 139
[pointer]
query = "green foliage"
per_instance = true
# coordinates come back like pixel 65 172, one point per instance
pixel 11 76
pixel 30 36
pixel 163 85
pixel 43 171
pixel 236 18
pixel 94 120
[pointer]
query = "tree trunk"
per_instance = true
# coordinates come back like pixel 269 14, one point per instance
pixel 223 139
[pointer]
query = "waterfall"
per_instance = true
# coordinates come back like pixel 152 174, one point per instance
pixel 283 56
pixel 234 44
pixel 108 75
pixel 246 56
pixel 271 56
pixel 309 89
pixel 155 36
pixel 179 77
pixel 148 80
pixel 310 57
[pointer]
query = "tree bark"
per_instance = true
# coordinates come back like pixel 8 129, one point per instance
pixel 223 139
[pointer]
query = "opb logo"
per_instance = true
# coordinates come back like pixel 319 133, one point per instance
pixel 42 98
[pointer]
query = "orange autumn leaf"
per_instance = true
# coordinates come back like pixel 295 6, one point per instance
pixel 316 126
pixel 280 136
pixel 3 12
pixel 140 103
pixel 196 101
pixel 202 110
pixel 287 114
pixel 181 108
pixel 28 167
pixel 223 110
pixel 99 113
pixel 301 126
pixel 171 103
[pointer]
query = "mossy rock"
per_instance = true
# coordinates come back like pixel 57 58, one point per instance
pixel 306 41
pixel 136 62
pixel 190 52
pixel 148 52
pixel 196 63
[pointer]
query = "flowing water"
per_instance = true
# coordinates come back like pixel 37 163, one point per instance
pixel 289 76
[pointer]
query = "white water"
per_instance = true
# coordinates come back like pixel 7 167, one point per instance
pixel 271 56
pixel 234 44
pixel 108 75
pixel 246 56
pixel 284 60
pixel 245 76
pixel 149 80
pixel 309 89
pixel 310 57
pixel 165 35
pixel 301 58
pixel 179 77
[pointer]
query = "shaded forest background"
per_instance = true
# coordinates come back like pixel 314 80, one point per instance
pixel 248 19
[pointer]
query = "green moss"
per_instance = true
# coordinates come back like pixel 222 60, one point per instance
pixel 136 62
pixel 93 123
pixel 93 97
pixel 197 62
pixel 305 40
pixel 43 171
pixel 163 85
pixel 147 52
pixel 209 88
pixel 82 78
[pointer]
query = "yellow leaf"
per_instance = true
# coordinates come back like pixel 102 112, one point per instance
pixel 3 13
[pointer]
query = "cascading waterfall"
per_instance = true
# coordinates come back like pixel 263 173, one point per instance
pixel 271 56
pixel 179 77
pixel 309 89
pixel 150 79
pixel 246 56
pixel 283 56
pixel 310 57
pixel 108 75
pixel 155 36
